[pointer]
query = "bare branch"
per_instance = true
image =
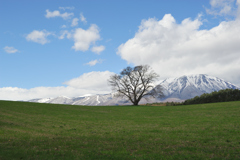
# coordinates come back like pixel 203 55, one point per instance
pixel 135 83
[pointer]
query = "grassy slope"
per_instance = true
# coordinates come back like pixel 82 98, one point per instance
pixel 48 131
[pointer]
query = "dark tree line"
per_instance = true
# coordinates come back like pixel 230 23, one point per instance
pixel 216 96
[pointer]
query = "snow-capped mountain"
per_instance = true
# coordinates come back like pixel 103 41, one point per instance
pixel 57 100
pixel 94 100
pixel 40 100
pixel 102 100
pixel 186 87
pixel 174 89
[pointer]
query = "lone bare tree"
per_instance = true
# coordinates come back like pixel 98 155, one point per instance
pixel 135 83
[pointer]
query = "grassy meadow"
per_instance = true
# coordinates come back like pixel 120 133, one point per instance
pixel 50 131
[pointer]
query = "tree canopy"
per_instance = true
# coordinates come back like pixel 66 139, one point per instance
pixel 136 83
pixel 224 95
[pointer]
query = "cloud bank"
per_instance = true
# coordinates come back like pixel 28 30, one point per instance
pixel 88 83
pixel 174 49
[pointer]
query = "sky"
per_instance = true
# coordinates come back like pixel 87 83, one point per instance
pixel 70 48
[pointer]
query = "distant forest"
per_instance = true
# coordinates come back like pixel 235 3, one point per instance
pixel 224 95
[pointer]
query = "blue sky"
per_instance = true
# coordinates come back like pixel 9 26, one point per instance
pixel 58 47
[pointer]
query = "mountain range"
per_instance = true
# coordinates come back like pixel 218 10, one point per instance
pixel 175 89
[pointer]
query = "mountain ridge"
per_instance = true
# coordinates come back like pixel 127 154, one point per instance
pixel 186 87
pixel 175 89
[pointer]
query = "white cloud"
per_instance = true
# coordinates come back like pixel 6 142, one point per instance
pixel 88 83
pixel 74 22
pixel 94 62
pixel 14 93
pixel 65 33
pixel 63 26
pixel 223 8
pixel 84 38
pixel 56 13
pixel 97 49
pixel 65 8
pixel 39 36
pixel 82 18
pixel 174 49
pixel 238 9
pixel 10 49
pixel 96 81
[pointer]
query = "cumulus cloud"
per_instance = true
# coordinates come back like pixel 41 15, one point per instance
pixel 74 22
pixel 56 13
pixel 94 62
pixel 97 49
pixel 88 83
pixel 174 49
pixel 93 81
pixel 84 38
pixel 39 36
pixel 82 18
pixel 10 49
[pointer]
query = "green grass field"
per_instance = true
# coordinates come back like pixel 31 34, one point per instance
pixel 47 131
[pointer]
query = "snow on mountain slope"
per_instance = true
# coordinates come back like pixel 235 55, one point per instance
pixel 40 100
pixel 174 89
pixel 186 87
pixel 61 100
pixel 102 100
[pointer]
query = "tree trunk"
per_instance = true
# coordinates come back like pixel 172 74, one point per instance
pixel 135 103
